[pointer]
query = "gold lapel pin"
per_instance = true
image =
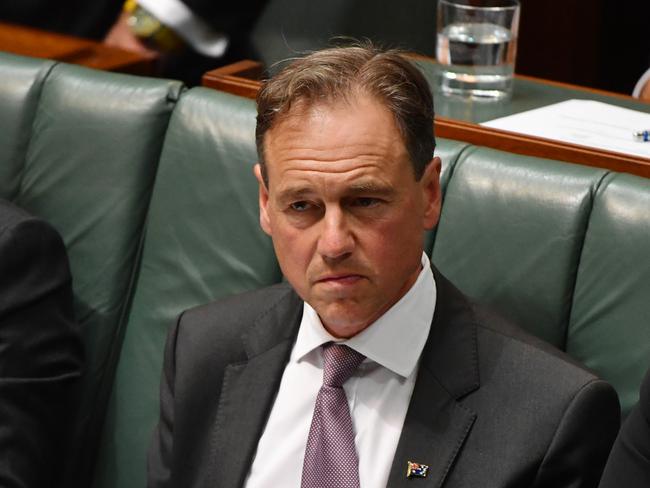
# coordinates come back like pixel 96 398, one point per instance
pixel 416 470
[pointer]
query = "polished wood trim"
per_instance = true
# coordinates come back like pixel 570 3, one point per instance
pixel 243 69
pixel 540 147
pixel 27 41
pixel 240 78
pixel 233 79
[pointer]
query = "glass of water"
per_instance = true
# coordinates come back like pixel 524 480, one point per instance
pixel 476 47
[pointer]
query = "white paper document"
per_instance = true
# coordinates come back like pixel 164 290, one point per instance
pixel 585 122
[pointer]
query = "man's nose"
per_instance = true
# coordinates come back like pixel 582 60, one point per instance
pixel 336 240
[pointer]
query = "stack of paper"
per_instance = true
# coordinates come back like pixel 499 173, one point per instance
pixel 585 122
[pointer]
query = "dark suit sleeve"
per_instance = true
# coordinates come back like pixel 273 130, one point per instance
pixel 40 354
pixel 629 462
pixel 161 448
pixel 582 440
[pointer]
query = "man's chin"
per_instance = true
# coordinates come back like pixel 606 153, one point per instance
pixel 341 320
pixel 344 332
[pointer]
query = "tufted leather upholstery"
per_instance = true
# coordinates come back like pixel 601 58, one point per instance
pixel 86 155
pixel 21 86
pixel 152 189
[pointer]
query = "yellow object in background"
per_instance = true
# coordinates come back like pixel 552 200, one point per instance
pixel 150 30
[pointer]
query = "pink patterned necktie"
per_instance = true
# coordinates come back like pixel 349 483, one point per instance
pixel 331 459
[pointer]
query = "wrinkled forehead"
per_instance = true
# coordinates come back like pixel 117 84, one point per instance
pixel 335 138
pixel 307 104
pixel 305 110
pixel 323 119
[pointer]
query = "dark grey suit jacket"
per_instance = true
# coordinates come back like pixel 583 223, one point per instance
pixel 41 354
pixel 492 406
pixel 629 462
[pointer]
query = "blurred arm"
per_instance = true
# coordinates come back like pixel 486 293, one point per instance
pixel 642 87
pixel 193 29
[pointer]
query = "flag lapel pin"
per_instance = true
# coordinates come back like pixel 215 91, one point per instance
pixel 416 470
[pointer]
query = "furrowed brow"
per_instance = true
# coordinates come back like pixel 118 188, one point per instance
pixel 294 193
pixel 371 188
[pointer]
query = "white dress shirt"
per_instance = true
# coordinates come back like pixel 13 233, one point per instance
pixel 378 393
pixel 194 30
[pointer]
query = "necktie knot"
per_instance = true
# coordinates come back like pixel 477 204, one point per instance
pixel 339 363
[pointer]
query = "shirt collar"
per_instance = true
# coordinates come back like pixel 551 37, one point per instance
pixel 395 340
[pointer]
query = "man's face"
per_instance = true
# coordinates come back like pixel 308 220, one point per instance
pixel 345 211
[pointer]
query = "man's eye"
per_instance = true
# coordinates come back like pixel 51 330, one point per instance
pixel 300 206
pixel 365 202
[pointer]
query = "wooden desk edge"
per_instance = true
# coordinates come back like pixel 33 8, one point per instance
pixel 75 50
pixel 539 147
pixel 240 78
pixel 231 79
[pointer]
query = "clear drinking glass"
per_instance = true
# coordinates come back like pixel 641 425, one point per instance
pixel 476 47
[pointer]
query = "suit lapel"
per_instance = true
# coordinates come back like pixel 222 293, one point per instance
pixel 248 391
pixel 434 431
pixel 437 424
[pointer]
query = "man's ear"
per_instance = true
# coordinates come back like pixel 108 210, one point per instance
pixel 265 223
pixel 432 193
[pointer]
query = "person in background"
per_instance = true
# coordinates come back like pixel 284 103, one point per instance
pixel 628 465
pixel 41 353
pixel 82 18
pixel 191 36
pixel 367 367
pixel 642 87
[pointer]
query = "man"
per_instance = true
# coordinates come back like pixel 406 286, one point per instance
pixel 41 355
pixel 368 368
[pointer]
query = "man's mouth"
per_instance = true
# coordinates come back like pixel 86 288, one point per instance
pixel 340 279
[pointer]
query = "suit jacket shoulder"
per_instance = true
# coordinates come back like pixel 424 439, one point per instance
pixel 531 416
pixel 41 355
pixel 227 330
pixel 223 363
pixel 529 357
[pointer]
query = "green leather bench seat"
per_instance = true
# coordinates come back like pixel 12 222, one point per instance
pixel 611 305
pixel 511 233
pixel 202 241
pixel 94 142
pixel 448 151
pixel 152 189
pixel 22 80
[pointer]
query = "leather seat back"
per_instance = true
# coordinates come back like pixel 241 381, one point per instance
pixel 20 89
pixel 560 249
pixel 89 168
pixel 511 235
pixel 203 241
pixel 609 326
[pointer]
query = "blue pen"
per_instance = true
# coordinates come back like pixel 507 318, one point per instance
pixel 642 135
